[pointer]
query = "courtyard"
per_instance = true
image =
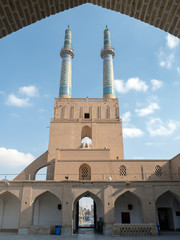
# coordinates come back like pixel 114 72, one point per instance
pixel 87 234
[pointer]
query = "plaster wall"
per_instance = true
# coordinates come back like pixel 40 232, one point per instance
pixel 103 169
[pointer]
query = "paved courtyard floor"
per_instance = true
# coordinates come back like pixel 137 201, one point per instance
pixel 84 235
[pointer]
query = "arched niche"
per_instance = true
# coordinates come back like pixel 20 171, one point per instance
pixel 98 209
pixel 128 209
pixel 86 132
pixel 84 172
pixel 168 211
pixel 46 210
pixel 9 211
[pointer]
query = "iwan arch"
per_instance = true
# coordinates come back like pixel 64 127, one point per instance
pixel 131 196
pixel 163 14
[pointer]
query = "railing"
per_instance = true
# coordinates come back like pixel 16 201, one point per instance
pixel 96 177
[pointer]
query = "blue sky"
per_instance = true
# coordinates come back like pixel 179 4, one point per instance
pixel 146 72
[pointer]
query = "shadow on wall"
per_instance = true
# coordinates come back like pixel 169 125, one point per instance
pixel 9 211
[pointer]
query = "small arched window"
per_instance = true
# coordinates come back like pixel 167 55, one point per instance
pixel 122 170
pixel 158 170
pixel 84 172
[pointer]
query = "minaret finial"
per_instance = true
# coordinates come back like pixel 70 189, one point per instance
pixel 67 54
pixel 107 55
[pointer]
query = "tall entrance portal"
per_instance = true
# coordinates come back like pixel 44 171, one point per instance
pixel 87 212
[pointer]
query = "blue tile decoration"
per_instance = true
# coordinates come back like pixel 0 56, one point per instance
pixel 108 73
pixel 66 54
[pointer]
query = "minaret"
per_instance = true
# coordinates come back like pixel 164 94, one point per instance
pixel 108 74
pixel 67 55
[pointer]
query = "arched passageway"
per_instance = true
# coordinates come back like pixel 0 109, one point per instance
pixel 88 216
pixel 9 211
pixel 46 210
pixel 168 212
pixel 41 174
pixel 128 209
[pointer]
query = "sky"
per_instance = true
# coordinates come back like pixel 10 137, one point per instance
pixel 146 73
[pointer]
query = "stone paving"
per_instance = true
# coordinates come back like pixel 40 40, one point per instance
pixel 83 235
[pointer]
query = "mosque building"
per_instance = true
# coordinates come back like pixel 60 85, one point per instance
pixel 85 158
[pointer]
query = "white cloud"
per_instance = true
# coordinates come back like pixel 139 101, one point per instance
pixel 156 84
pixel 172 41
pixel 148 110
pixel 126 118
pixel 178 70
pixel 29 91
pixel 156 127
pixel 131 84
pixel 132 132
pixel 166 60
pixel 16 101
pixel 14 158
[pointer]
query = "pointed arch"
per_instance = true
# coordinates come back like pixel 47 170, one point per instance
pixel 86 132
pixel 9 210
pixel 162 191
pixel 98 206
pixel 168 209
pixel 14 194
pixel 127 208
pixel 84 172
pixel 128 191
pixel 46 210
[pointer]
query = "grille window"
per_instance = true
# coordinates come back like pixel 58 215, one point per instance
pixel 158 170
pixel 122 170
pixel 85 172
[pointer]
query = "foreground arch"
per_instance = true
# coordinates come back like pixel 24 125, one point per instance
pixel 46 210
pixel 168 211
pixel 98 206
pixel 127 209
pixel 15 15
pixel 9 211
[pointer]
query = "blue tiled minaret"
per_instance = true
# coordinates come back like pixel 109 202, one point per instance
pixel 67 55
pixel 107 55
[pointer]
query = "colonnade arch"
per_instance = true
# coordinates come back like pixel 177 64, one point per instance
pixel 127 209
pixel 9 211
pixel 161 14
pixel 46 210
pixel 168 211
pixel 98 209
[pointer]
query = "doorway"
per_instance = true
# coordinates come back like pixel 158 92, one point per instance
pixel 165 216
pixel 125 217
pixel 86 213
